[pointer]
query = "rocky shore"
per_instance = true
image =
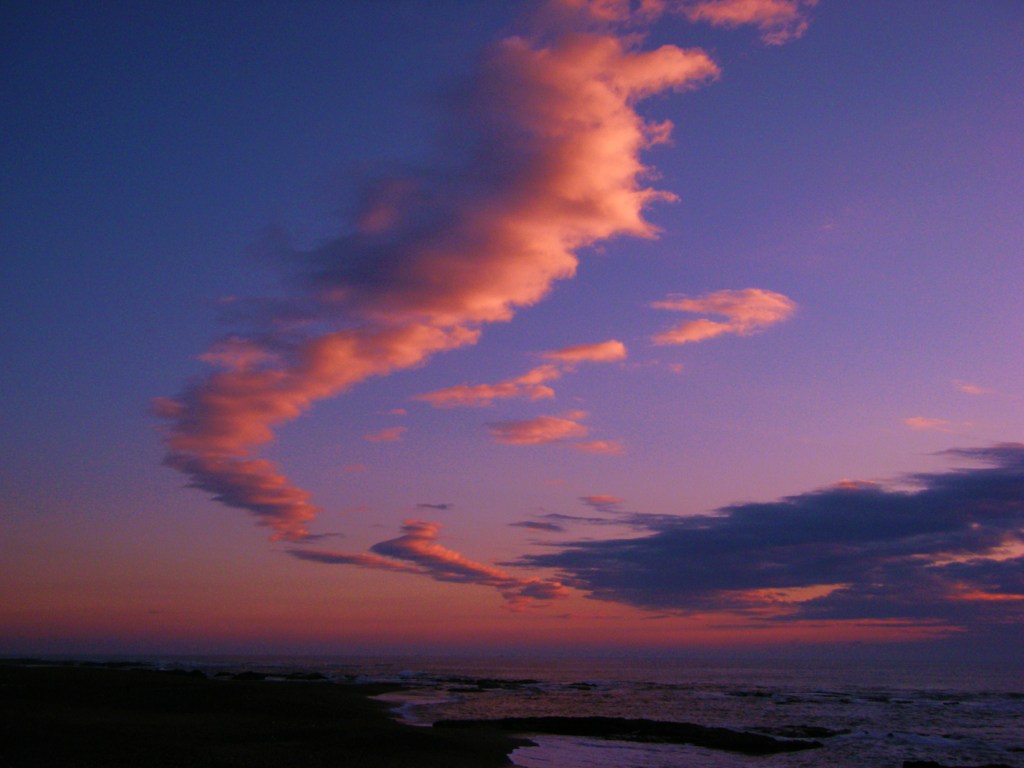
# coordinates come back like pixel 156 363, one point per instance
pixel 119 716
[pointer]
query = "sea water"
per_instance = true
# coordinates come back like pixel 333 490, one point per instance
pixel 886 713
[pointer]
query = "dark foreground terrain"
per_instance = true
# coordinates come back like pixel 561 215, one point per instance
pixel 109 717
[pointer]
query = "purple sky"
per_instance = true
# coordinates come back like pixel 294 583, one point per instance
pixel 692 323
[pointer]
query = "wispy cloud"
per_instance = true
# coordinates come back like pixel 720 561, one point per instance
pixel 531 385
pixel 388 435
pixel 537 525
pixel 746 311
pixel 603 502
pixel 536 431
pixel 417 551
pixel 434 256
pixel 601 447
pixel 951 550
pixel 922 423
pixel 779 21
pixel 439 507
pixel 603 352
pixel 971 389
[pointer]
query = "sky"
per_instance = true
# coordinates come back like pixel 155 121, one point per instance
pixel 667 326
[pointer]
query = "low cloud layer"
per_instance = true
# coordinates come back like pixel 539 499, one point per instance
pixel 950 551
pixel 746 312
pixel 417 551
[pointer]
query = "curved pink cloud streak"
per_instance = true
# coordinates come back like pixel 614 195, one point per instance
pixel 417 551
pixel 556 168
pixel 746 312
pixel 530 385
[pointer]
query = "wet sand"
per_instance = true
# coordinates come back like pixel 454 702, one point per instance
pixel 93 716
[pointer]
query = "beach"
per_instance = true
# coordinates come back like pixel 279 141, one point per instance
pixel 418 712
pixel 90 716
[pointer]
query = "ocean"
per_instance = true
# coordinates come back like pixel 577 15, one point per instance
pixel 884 713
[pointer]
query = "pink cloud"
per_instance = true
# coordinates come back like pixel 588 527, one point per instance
pixel 542 429
pixel 389 435
pixel 926 423
pixel 603 502
pixel 601 447
pixel 971 389
pixel 531 384
pixel 417 551
pixel 746 311
pixel 614 10
pixel 528 386
pixel 603 352
pixel 365 560
pixel 779 21
pixel 557 168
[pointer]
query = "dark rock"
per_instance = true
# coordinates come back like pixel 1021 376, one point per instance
pixel 310 676
pixel 186 672
pixel 249 676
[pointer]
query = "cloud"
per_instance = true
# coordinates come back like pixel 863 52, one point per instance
pixel 630 520
pixel 551 164
pixel 779 21
pixel 747 311
pixel 535 525
pixel 604 352
pixel 970 389
pixel 603 503
pixel 364 560
pixel 601 447
pixel 417 551
pixel 950 551
pixel 321 536
pixel 542 429
pixel 531 384
pixel 439 507
pixel 388 435
pixel 925 423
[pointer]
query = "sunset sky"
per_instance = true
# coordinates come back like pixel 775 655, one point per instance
pixel 407 325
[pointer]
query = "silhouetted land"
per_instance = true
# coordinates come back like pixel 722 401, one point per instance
pixel 115 717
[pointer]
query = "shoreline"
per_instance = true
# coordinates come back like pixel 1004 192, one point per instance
pixel 96 715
